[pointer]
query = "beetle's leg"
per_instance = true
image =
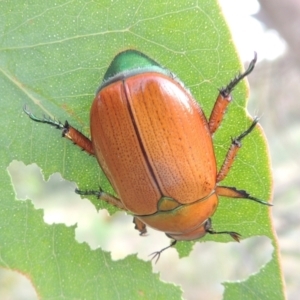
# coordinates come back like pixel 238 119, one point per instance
pixel 236 236
pixel 103 196
pixel 157 254
pixel 232 192
pixel 140 226
pixel 208 228
pixel 232 152
pixel 68 132
pixel 224 98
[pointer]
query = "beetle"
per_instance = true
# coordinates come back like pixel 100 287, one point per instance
pixel 154 144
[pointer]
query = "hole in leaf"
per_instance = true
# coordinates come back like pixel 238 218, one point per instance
pixel 201 273
pixel 14 285
pixel 61 204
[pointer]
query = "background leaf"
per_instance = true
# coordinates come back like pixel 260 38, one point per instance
pixel 52 58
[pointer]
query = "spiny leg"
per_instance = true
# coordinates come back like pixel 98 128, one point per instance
pixel 208 229
pixel 224 98
pixel 232 152
pixel 235 235
pixel 232 192
pixel 68 131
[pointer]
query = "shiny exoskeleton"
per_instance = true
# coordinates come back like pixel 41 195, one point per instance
pixel 154 143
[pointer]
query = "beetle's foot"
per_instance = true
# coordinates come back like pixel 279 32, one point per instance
pixel 225 91
pixel 157 254
pixel 236 236
pixel 246 132
pixel 46 120
pixel 140 226
pixel 232 192
pixel 235 146
pixel 98 194
pixel 67 131
pixel 249 197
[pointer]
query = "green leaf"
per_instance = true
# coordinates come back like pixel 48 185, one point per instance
pixel 53 56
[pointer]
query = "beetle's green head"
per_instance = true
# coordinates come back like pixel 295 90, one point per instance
pixel 129 63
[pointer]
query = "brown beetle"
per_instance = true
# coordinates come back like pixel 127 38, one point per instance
pixel 154 143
